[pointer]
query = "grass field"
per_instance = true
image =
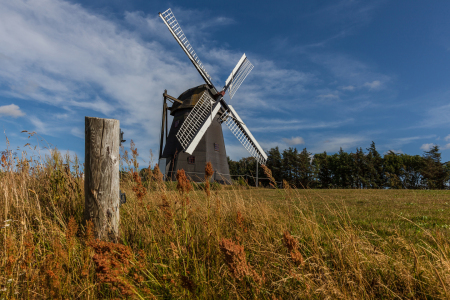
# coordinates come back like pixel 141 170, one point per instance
pixel 230 243
pixel 386 211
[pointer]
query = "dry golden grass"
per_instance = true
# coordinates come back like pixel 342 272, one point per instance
pixel 230 243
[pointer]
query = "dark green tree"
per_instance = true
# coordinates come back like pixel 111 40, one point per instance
pixel 360 169
pixel 289 165
pixel 375 172
pixel 233 165
pixel 322 170
pixel 274 163
pixel 304 169
pixel 412 166
pixel 345 170
pixel 433 171
pixel 393 170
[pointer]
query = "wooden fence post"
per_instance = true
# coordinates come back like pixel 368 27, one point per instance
pixel 101 182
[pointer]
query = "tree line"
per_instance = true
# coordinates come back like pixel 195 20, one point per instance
pixel 360 170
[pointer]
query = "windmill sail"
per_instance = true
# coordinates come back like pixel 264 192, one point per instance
pixel 197 122
pixel 237 76
pixel 241 132
pixel 172 23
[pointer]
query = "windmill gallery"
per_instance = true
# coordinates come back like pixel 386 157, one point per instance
pixel 195 135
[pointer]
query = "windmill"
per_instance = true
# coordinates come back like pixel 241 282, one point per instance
pixel 196 136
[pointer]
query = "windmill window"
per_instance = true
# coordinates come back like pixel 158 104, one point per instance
pixel 191 159
pixel 216 147
pixel 177 122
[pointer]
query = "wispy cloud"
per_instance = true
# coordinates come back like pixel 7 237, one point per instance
pixel 348 88
pixel 328 96
pixel 376 84
pixel 447 138
pixel 11 110
pixel 294 141
pixel 437 116
pixel 333 144
pixel 350 72
pixel 399 142
pixel 349 13
pixel 196 29
pixel 288 125
pixel 235 150
pixel 39 126
pixel 78 132
pixel 268 87
pixel 426 147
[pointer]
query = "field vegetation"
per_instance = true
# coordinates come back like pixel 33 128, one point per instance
pixel 212 242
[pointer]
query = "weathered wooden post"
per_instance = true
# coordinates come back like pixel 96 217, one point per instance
pixel 101 183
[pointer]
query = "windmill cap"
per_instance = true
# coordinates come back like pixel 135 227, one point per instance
pixel 190 97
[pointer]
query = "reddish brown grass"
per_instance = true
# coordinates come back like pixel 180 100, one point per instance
pixel 292 244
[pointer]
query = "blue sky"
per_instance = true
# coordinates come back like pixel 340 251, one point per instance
pixel 328 74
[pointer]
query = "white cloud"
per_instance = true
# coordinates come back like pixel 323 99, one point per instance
pixel 399 142
pixel 445 147
pixel 236 151
pixel 11 110
pixel 376 84
pixel 333 144
pixel 437 116
pixel 426 147
pixel 61 116
pixel 273 125
pixel 39 126
pixel 214 22
pixel 76 131
pixel 348 88
pixel 46 152
pixel 351 72
pixel 329 96
pixel 447 138
pixel 294 141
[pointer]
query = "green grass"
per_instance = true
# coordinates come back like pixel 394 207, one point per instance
pixel 382 210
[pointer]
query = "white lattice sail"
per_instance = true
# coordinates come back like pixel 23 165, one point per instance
pixel 172 23
pixel 244 135
pixel 237 76
pixel 197 122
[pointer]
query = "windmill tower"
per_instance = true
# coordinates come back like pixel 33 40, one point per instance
pixel 195 136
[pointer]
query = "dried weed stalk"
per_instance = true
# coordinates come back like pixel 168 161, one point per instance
pixel 292 245
pixel 139 189
pixel 159 177
pixel 240 222
pixel 112 262
pixel 183 185
pixel 234 256
pixel 268 173
pixel 209 171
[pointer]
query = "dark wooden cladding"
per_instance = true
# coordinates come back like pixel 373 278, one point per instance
pixel 101 184
pixel 205 150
